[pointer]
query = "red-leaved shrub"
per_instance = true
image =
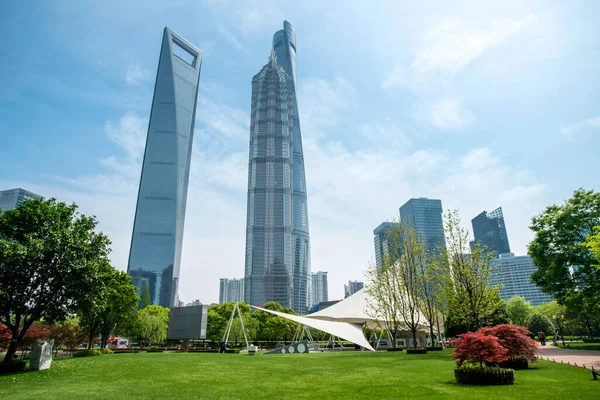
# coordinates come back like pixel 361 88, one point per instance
pixel 515 339
pixel 478 348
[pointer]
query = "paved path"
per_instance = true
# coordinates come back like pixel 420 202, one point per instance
pixel 588 358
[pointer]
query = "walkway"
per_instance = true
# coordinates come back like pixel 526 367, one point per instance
pixel 588 358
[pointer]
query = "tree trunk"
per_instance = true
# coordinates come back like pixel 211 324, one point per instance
pixel 414 335
pixel 431 333
pixel 12 347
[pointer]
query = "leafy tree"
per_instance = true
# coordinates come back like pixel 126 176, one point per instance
pixel 515 339
pixel 472 301
pixel 477 348
pixel 153 323
pixel 69 334
pixel 539 323
pixel 49 262
pixel 566 264
pixel 518 310
pixel 145 300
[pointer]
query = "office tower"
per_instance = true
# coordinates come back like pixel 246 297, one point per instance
pixel 277 236
pixel 514 273
pixel 155 253
pixel 231 290
pixel 10 199
pixel 352 287
pixel 489 229
pixel 382 242
pixel 319 288
pixel 425 217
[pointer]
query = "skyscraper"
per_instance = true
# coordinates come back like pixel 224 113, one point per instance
pixel 231 290
pixel 10 199
pixel 155 253
pixel 277 236
pixel 425 217
pixel 382 242
pixel 352 287
pixel 514 273
pixel 319 288
pixel 489 229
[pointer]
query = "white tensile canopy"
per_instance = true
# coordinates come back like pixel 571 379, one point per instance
pixel 345 330
pixel 353 310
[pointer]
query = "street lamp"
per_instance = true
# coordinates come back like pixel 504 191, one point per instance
pixel 557 319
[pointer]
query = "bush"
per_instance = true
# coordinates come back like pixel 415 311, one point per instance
pixel 12 366
pixel 87 353
pixel 539 323
pixel 154 349
pixel 106 351
pixel 515 363
pixel 474 375
pixel 516 340
pixel 416 351
pixel 477 348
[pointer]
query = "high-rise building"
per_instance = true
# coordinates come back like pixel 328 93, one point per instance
pixel 352 287
pixel 277 236
pixel 425 217
pixel 155 254
pixel 231 290
pixel 514 273
pixel 10 199
pixel 381 237
pixel 489 229
pixel 319 292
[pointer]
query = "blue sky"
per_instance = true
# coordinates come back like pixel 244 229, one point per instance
pixel 481 105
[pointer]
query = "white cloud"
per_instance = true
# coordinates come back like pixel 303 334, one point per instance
pixel 136 74
pixel 447 113
pixel 587 124
pixel 450 47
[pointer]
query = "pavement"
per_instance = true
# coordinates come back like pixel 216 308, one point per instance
pixel 589 358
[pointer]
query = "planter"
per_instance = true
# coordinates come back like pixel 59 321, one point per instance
pixel 435 348
pixel 416 351
pixel 485 376
pixel 394 349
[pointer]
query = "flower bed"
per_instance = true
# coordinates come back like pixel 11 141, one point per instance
pixel 472 375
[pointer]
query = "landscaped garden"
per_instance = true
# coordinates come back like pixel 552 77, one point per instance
pixel 345 375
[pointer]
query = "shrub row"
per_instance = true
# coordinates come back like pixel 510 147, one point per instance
pixel 12 366
pixel 435 348
pixel 87 353
pixel 473 375
pixel 154 349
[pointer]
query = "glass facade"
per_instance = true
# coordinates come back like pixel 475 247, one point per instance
pixel 231 290
pixel 352 287
pixel 425 217
pixel 382 244
pixel 10 199
pixel 277 234
pixel 155 253
pixel 319 291
pixel 489 229
pixel 514 274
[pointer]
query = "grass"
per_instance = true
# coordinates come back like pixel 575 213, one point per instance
pixel 580 346
pixel 350 375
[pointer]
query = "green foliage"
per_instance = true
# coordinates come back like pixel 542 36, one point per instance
pixel 145 300
pixel 68 333
pixel 154 349
pixel 518 310
pixel 218 317
pixel 87 353
pixel 50 258
pixel 152 323
pixel 106 351
pixel 539 323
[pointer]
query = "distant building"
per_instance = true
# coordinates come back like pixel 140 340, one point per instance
pixel 194 303
pixel 319 292
pixel 352 287
pixel 381 239
pixel 231 290
pixel 10 199
pixel 425 217
pixel 489 229
pixel 514 273
pixel 323 305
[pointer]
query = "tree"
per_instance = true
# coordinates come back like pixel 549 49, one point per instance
pixel 566 264
pixel 153 323
pixel 68 333
pixel 145 300
pixel 433 276
pixel 477 348
pixel 539 323
pixel 515 339
pixel 518 310
pixel 593 242
pixel 472 301
pixel 49 261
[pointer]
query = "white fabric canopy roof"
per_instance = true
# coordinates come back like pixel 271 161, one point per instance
pixel 350 332
pixel 353 310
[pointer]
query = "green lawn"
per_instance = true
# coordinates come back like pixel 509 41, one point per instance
pixel 350 375
pixel 580 346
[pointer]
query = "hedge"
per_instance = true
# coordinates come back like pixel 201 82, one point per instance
pixel 87 353
pixel 474 375
pixel 12 366
pixel 416 351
